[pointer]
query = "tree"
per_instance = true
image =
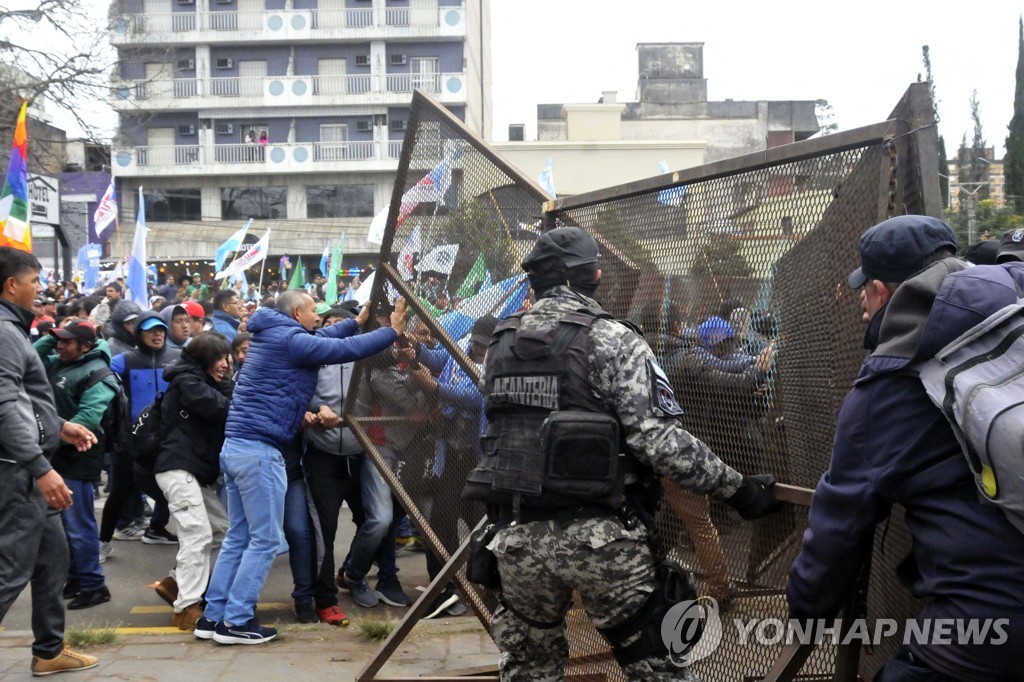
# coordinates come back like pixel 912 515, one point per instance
pixel 943 162
pixel 70 68
pixel 1013 162
pixel 972 161
pixel 826 117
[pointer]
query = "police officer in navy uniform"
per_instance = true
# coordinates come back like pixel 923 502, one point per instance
pixel 568 389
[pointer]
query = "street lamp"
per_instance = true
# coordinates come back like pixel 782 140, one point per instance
pixel 972 218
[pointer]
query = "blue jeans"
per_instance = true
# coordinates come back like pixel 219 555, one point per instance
pixel 300 540
pixel 902 667
pixel 83 536
pixel 255 486
pixel 369 542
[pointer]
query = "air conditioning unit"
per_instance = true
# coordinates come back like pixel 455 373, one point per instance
pixel 225 128
pixel 397 124
pixel 364 126
pixel 187 130
pixel 362 60
pixel 398 59
pixel 223 63
pixel 186 65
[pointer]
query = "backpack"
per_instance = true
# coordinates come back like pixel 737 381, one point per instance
pixel 978 383
pixel 144 436
pixel 115 418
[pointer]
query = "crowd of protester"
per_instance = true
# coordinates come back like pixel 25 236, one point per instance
pixel 186 354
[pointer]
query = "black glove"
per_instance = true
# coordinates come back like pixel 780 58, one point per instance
pixel 754 498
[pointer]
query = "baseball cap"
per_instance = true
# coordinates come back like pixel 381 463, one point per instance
pixel 129 317
pixel 151 322
pixel 1011 246
pixel 80 330
pixel 321 308
pixel 713 331
pixel 193 309
pixel 483 329
pixel 570 245
pixel 895 249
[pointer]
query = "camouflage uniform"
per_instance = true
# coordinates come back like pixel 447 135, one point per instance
pixel 542 562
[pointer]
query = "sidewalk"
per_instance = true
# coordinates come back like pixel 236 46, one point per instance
pixel 301 652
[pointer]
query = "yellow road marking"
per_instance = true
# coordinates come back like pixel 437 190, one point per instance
pixel 268 606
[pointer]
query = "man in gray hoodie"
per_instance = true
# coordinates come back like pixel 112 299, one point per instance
pixel 32 495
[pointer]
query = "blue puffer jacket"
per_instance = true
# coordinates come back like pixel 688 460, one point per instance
pixel 893 446
pixel 280 372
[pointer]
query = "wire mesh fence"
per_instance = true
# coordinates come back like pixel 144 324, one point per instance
pixel 736 273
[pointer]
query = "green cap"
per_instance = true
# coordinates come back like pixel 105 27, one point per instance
pixel 321 308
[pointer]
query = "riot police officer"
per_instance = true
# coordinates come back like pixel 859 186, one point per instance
pixel 568 390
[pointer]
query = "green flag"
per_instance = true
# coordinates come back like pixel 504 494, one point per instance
pixel 473 279
pixel 298 278
pixel 331 293
pixel 431 308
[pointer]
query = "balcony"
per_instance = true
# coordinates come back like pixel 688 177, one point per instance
pixel 235 159
pixel 283 91
pixel 333 25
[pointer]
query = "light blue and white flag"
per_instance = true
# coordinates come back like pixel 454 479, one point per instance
pixel 325 259
pixel 233 243
pixel 673 196
pixel 547 178
pixel 136 280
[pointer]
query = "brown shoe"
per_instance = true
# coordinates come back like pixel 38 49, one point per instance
pixel 167 589
pixel 68 660
pixel 186 620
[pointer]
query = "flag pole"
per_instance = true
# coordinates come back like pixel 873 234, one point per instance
pixel 263 268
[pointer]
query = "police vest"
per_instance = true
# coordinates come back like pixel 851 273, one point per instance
pixel 549 442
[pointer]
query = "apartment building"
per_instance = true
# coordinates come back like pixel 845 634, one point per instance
pixel 291 112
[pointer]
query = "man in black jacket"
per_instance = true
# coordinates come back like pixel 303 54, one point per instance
pixel 32 544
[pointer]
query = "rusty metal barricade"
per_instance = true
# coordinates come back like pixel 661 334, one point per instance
pixel 763 242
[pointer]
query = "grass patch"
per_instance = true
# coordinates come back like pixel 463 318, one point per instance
pixel 374 629
pixel 88 636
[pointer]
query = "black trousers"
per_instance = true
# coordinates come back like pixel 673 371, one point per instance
pixel 33 549
pixel 331 481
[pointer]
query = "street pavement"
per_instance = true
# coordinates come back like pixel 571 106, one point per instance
pixel 148 647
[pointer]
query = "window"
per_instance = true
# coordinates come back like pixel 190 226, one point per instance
pixel 339 201
pixel 263 203
pixel 168 205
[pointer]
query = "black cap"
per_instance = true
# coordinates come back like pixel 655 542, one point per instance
pixel 483 328
pixel 1011 247
pixel 983 252
pixel 570 245
pixel 81 330
pixel 897 248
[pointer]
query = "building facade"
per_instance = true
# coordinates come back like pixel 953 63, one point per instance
pixel 594 145
pixel 993 181
pixel 290 112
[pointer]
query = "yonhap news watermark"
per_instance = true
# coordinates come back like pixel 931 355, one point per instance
pixel 686 621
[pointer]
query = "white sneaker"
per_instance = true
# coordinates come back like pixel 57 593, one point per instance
pixel 132 532
pixel 106 549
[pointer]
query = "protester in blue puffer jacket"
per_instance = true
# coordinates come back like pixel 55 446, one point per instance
pixel 266 412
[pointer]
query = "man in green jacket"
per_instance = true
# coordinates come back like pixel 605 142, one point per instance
pixel 77 364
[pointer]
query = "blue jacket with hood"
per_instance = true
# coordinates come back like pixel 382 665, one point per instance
pixel 280 372
pixel 893 446
pixel 142 368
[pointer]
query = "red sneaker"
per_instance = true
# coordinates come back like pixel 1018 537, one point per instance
pixel 332 615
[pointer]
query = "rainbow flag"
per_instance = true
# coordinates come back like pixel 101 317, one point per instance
pixel 14 228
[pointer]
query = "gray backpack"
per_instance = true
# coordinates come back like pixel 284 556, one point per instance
pixel 978 383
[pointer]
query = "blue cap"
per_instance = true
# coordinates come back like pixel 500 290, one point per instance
pixel 896 249
pixel 151 322
pixel 713 331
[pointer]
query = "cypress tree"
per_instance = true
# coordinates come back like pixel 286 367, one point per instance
pixel 1013 162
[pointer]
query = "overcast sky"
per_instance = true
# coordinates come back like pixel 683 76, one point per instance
pixel 860 55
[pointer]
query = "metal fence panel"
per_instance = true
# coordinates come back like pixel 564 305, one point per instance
pixel 764 242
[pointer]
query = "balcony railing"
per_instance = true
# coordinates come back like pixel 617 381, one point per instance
pixel 167 156
pixel 236 154
pixel 319 19
pixel 175 92
pixel 407 82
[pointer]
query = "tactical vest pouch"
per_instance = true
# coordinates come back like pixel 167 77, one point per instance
pixel 581 450
pixel 516 456
pixel 482 565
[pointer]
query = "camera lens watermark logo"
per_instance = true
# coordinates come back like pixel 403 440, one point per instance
pixel 691 630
